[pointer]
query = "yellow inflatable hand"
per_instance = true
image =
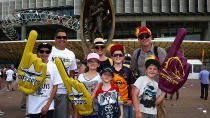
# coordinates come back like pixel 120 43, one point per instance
pixel 31 70
pixel 77 92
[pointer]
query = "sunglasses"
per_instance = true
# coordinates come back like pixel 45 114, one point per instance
pixel 115 55
pixel 99 47
pixel 46 51
pixel 61 37
pixel 142 36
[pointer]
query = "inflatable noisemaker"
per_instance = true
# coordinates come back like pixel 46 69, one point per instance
pixel 77 92
pixel 31 70
pixel 175 69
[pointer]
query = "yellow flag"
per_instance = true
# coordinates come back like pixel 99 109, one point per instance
pixel 203 55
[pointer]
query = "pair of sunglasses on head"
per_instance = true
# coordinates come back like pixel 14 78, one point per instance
pixel 62 37
pixel 142 36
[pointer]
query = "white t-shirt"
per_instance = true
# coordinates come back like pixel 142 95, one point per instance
pixel 90 84
pixel 40 98
pixel 9 74
pixel 69 61
pixel 147 95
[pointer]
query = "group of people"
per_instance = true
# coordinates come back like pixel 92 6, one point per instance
pixel 118 87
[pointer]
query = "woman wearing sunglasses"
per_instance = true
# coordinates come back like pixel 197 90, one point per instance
pixel 99 48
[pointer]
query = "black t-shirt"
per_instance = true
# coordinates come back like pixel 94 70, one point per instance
pixel 103 64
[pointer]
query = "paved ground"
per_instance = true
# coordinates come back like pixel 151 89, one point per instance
pixel 188 106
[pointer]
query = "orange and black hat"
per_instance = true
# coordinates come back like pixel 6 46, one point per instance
pixel 152 60
pixel 142 30
pixel 117 47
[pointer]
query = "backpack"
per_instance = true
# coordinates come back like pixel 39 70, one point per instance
pixel 155 51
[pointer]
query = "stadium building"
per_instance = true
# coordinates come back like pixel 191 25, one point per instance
pixel 163 17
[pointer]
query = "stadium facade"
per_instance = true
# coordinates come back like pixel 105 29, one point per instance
pixel 163 17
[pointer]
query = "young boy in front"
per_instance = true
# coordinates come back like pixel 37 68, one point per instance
pixel 107 96
pixel 123 78
pixel 146 94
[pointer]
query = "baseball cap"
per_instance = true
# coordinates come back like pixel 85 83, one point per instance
pixel 117 47
pixel 142 30
pixel 152 60
pixel 109 69
pixel 44 45
pixel 99 42
pixel 93 56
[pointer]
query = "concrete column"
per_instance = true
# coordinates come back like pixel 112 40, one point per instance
pixel 25 4
pixel 129 5
pixel 23 32
pixel 138 6
pixel 200 5
pixel 70 2
pixel 78 34
pixel 147 6
pixel 174 6
pixel 46 3
pixel 5 8
pixel 192 6
pixel 120 6
pixel 156 6
pixel 54 3
pixel 18 4
pixel 165 6
pixel 77 7
pixel 32 3
pixel 1 10
pixel 208 31
pixel 11 7
pixel 114 4
pixel 183 6
pixel 61 3
pixel 208 5
pixel 39 3
pixel 143 23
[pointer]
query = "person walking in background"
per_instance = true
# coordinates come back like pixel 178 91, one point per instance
pixel 9 79
pixel 147 49
pixel 204 79
pixel 177 95
pixel 1 78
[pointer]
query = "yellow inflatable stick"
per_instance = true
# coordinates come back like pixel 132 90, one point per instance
pixel 77 91
pixel 31 70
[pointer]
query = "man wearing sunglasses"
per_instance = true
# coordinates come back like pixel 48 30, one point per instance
pixel 41 103
pixel 99 48
pixel 147 49
pixel 69 61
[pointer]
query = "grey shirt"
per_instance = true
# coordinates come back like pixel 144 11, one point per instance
pixel 139 67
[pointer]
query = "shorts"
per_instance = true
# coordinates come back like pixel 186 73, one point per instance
pixel 61 106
